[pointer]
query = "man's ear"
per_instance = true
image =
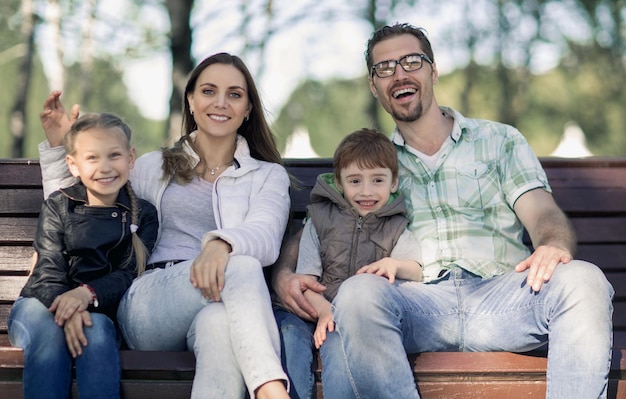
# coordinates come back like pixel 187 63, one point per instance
pixel 435 74
pixel 370 79
pixel 71 165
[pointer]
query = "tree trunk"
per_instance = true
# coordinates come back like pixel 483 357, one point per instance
pixel 18 111
pixel 86 52
pixel 55 71
pixel 179 12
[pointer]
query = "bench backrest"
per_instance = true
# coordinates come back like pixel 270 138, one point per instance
pixel 591 191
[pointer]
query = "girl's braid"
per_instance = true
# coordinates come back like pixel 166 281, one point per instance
pixel 139 248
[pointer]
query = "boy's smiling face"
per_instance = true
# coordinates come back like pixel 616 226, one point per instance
pixel 367 190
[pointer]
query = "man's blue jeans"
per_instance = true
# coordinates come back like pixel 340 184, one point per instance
pixel 377 323
pixel 296 341
pixel 48 363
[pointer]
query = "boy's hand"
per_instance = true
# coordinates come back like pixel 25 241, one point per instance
pixel 65 305
pixel 324 323
pixel 74 333
pixel 386 267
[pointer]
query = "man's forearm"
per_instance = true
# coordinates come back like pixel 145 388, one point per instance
pixel 555 229
pixel 287 260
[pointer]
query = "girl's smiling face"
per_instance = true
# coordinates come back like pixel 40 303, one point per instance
pixel 102 160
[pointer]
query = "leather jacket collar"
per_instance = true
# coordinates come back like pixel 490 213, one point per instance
pixel 78 192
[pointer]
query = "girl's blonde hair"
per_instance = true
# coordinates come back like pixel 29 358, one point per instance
pixel 113 122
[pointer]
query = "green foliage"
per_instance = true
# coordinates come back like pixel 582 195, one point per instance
pixel 332 109
pixel 110 96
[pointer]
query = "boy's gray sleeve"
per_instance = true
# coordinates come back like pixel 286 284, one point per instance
pixel 407 247
pixel 309 259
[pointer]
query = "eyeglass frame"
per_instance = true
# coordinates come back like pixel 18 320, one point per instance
pixel 397 62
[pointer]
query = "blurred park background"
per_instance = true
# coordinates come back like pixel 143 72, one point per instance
pixel 536 64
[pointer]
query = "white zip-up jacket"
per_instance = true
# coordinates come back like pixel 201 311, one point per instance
pixel 250 200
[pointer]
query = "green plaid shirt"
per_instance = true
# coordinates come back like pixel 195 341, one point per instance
pixel 462 212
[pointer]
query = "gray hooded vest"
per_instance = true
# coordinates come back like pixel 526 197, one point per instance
pixel 349 241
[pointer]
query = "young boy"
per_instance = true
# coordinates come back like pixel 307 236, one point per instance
pixel 355 224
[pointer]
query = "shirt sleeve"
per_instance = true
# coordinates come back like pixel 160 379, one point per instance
pixel 407 247
pixel 309 259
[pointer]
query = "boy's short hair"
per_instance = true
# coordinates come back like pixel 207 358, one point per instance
pixel 369 148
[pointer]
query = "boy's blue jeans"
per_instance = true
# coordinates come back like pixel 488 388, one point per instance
pixel 296 341
pixel 48 363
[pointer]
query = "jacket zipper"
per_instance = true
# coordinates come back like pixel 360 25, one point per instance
pixel 122 235
pixel 355 242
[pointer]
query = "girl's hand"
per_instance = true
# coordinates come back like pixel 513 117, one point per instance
pixel 324 323
pixel 208 269
pixel 65 305
pixel 54 119
pixel 74 333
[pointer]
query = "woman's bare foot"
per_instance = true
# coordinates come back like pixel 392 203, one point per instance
pixel 272 390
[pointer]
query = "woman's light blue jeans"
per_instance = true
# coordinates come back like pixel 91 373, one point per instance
pixel 48 363
pixel 235 341
pixel 377 323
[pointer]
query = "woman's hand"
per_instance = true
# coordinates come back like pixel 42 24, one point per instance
pixel 208 269
pixel 67 304
pixel 54 119
pixel 75 334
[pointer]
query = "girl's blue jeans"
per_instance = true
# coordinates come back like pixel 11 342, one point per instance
pixel 48 363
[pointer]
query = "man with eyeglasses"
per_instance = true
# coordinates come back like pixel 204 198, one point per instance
pixel 472 187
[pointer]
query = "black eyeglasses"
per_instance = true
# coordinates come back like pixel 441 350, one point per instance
pixel 410 63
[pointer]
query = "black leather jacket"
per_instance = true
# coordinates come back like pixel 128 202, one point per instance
pixel 76 243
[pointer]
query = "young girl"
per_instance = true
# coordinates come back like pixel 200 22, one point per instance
pixel 91 241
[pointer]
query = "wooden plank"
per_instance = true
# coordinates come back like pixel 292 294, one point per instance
pixel 587 201
pixel 20 172
pixel 134 389
pixel 10 287
pixel 5 309
pixel 608 257
pixel 600 230
pixel 20 201
pixel 15 260
pixel 17 231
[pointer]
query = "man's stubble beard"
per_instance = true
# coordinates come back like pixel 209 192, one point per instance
pixel 411 116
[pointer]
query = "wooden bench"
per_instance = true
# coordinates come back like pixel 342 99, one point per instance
pixel 591 191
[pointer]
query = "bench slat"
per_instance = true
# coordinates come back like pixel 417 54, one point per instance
pixel 20 173
pixel 15 260
pixel 17 231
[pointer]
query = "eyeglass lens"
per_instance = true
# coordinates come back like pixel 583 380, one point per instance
pixel 409 63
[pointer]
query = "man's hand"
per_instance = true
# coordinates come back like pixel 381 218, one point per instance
pixel 74 333
pixel 290 287
pixel 542 263
pixel 55 120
